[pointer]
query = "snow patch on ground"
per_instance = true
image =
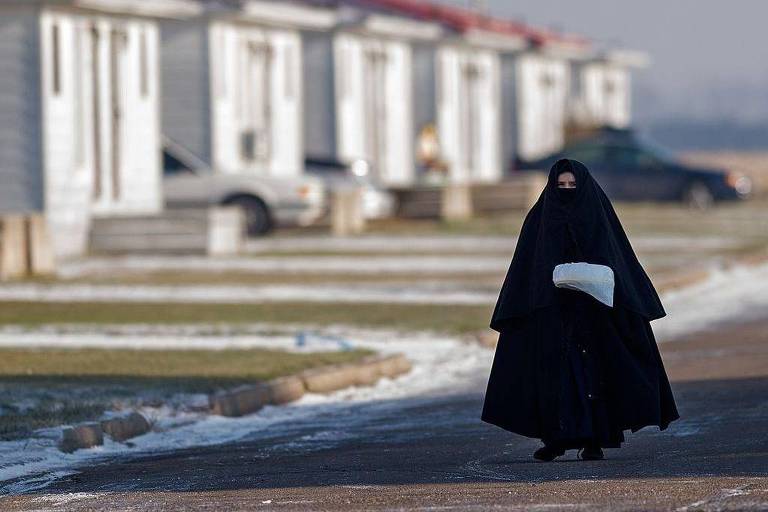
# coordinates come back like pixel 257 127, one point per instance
pixel 182 337
pixel 411 293
pixel 358 265
pixel 736 293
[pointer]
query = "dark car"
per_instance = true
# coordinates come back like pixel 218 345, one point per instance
pixel 631 169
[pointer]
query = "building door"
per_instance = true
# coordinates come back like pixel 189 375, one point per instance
pixel 117 45
pixel 256 99
pixel 96 132
pixel 469 117
pixel 375 109
pixel 107 110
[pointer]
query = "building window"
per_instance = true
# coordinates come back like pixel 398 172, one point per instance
pixel 143 64
pixel 56 58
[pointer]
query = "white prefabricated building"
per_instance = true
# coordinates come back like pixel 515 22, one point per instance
pixel 79 111
pixel 234 85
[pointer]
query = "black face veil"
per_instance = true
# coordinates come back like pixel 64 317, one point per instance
pixel 584 216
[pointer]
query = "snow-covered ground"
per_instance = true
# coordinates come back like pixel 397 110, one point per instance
pixel 357 265
pixel 735 293
pixel 414 292
pixel 442 365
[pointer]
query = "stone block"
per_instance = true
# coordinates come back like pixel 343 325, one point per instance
pixel 13 247
pixel 42 261
pixel 240 401
pixel 86 435
pixel 328 379
pixel 393 365
pixel 226 230
pixel 285 389
pixel 126 427
pixel 347 216
pixel 456 202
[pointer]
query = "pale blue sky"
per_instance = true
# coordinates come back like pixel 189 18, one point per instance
pixel 710 57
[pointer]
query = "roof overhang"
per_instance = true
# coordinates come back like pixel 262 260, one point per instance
pixel 152 8
pixel 388 25
pixel 284 14
pixel 495 40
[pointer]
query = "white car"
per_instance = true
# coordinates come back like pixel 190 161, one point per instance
pixel 267 202
pixel 378 203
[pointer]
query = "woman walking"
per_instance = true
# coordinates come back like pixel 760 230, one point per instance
pixel 576 363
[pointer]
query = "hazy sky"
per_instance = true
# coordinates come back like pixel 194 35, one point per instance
pixel 709 57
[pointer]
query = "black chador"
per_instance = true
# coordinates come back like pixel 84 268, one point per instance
pixel 569 369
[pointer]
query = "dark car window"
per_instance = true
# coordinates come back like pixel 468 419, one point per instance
pixel 173 165
pixel 588 155
pixel 629 157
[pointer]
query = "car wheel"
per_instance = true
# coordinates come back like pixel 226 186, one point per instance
pixel 258 221
pixel 698 196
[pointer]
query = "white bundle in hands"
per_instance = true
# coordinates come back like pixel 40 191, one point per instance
pixel 596 280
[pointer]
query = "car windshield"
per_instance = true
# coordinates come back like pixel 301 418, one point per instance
pixel 651 146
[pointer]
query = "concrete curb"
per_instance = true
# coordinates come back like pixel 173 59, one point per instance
pixel 250 398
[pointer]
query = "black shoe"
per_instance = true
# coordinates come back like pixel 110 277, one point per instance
pixel 591 453
pixel 547 453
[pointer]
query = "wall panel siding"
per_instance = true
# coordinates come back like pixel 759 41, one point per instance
pixel 508 112
pixel 186 86
pixel 21 182
pixel 319 98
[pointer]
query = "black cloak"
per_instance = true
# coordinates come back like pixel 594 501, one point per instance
pixel 568 368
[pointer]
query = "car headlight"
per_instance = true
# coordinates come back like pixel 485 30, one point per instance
pixel 740 183
pixel 360 167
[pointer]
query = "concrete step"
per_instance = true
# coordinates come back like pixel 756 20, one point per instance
pixel 217 230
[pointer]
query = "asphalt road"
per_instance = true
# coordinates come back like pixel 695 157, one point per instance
pixel 434 454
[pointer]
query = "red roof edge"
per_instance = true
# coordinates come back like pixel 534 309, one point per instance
pixel 463 20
